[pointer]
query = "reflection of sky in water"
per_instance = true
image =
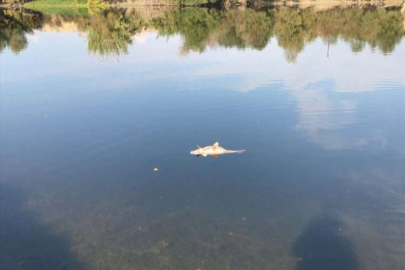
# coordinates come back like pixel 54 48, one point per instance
pixel 351 72
pixel 324 139
pixel 325 88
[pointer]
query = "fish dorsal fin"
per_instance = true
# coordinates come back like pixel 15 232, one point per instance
pixel 199 147
pixel 216 144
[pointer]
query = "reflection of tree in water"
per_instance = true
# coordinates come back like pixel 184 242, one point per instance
pixel 250 28
pixel 323 246
pixel 195 25
pixel 14 27
pixel 202 28
pixel 109 32
pixel 26 241
pixel 378 27
pixel 293 28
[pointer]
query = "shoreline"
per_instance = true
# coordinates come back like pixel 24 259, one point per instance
pixel 320 4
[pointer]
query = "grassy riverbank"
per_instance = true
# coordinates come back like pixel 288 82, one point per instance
pixel 59 6
pixel 72 7
pixel 45 4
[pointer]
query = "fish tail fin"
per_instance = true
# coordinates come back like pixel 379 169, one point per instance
pixel 240 151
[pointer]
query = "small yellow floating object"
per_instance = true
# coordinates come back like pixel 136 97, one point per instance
pixel 156 169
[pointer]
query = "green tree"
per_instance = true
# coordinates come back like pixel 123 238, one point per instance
pixel 14 27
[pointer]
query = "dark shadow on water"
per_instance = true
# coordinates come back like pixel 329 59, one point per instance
pixel 323 246
pixel 25 243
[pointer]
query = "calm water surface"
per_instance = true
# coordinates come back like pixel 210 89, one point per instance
pixel 91 103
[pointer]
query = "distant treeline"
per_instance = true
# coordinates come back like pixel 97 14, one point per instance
pixel 110 32
pixel 293 28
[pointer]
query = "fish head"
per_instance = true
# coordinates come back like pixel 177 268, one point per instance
pixel 197 152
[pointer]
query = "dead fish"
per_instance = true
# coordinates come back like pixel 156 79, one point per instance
pixel 214 150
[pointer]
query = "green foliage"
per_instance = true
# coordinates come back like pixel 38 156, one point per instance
pixel 62 11
pixel 293 28
pixel 110 32
pixel 194 24
pixel 380 28
pixel 200 27
pixel 55 3
pixel 14 27
pixel 245 29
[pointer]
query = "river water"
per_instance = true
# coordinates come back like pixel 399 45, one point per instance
pixel 93 101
